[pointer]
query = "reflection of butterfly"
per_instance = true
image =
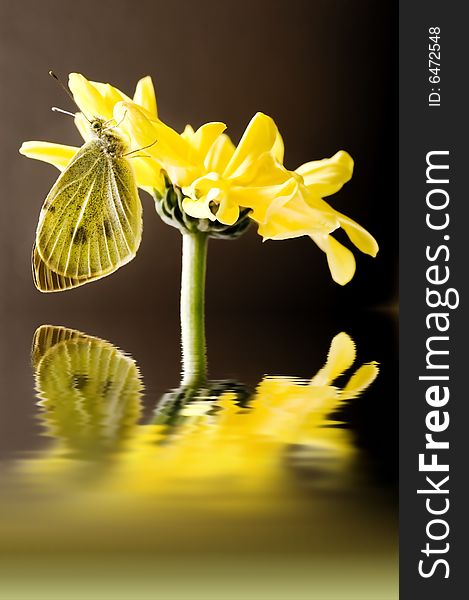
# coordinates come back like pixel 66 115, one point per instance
pixel 91 221
pixel 90 391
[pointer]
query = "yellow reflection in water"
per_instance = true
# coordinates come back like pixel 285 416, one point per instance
pixel 90 396
pixel 215 472
pixel 245 448
pixel 210 455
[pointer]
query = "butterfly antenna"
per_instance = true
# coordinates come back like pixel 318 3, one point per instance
pixel 139 149
pixel 69 94
pixel 61 110
pixel 117 123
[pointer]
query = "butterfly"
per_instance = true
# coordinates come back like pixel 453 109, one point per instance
pixel 91 221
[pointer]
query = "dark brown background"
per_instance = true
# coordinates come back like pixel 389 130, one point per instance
pixel 320 68
pixel 325 70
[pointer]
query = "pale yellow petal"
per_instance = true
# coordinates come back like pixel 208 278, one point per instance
pixel 339 258
pixel 295 219
pixel 110 94
pixel 165 145
pixel 205 191
pixel 279 148
pixel 228 211
pixel 359 236
pixel 88 98
pixel 259 137
pixel 264 200
pixel 360 380
pixel 147 171
pixel 203 185
pixel 205 136
pixel 145 95
pixel 327 176
pixel 199 209
pixel 341 357
pixel 83 126
pixel 219 154
pixel 58 155
pixel 265 170
pixel 188 132
pixel 363 240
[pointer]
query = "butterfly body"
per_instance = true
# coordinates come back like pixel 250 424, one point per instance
pixel 91 221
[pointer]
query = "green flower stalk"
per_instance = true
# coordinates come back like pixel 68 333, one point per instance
pixel 195 235
pixel 194 350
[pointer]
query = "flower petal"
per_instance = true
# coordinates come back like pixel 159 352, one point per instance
pixel 199 209
pixel 58 155
pixel 279 148
pixel 166 145
pixel 296 218
pixel 188 132
pixel 147 172
pixel 83 126
pixel 202 186
pixel 259 137
pixel 110 94
pixel 264 200
pixel 219 154
pixel 204 138
pixel 145 96
pixel 327 176
pixel 228 211
pixel 359 236
pixel 339 258
pixel 263 170
pixel 88 98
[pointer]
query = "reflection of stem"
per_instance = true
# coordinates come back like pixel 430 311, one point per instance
pixel 194 259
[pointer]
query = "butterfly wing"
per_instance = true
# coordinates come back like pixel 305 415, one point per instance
pixel 47 280
pixel 90 223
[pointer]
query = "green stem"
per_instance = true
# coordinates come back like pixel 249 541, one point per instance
pixel 194 260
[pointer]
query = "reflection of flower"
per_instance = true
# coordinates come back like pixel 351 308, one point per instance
pixel 230 476
pixel 199 435
pixel 250 442
pixel 220 181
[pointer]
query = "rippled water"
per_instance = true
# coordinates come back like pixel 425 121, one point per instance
pixel 278 488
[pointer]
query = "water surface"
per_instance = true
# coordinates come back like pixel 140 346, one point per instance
pixel 270 484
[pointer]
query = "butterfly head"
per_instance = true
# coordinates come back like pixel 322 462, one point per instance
pixel 113 144
pixel 97 126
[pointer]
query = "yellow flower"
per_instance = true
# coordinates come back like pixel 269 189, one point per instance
pixel 217 178
pixel 95 99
